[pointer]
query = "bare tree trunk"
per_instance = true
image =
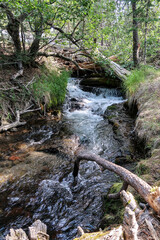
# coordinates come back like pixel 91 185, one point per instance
pixel 34 48
pixel 23 37
pixel 144 189
pixel 13 30
pixel 145 31
pixel 135 33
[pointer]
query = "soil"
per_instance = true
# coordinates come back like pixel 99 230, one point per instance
pixel 147 128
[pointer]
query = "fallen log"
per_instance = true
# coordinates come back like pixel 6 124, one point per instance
pixel 151 195
pixel 108 64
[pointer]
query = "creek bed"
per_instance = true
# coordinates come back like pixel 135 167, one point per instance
pixel 45 188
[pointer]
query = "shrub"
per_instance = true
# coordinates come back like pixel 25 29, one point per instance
pixel 50 87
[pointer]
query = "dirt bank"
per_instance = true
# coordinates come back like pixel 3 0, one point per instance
pixel 147 128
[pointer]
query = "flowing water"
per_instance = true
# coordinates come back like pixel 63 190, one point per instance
pixel 51 195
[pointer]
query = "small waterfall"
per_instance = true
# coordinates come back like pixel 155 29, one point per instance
pixel 84 113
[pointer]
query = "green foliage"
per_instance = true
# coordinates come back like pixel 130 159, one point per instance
pixel 137 77
pixel 142 169
pixel 114 209
pixel 50 87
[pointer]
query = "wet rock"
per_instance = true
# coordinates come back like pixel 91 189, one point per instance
pixel 123 126
pixel 101 82
pixel 75 105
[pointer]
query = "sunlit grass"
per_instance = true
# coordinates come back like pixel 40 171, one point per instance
pixel 50 87
pixel 138 76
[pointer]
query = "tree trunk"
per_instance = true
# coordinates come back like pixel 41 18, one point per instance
pixel 135 33
pixel 119 71
pixel 34 48
pixel 145 31
pixel 144 189
pixel 35 44
pixel 13 30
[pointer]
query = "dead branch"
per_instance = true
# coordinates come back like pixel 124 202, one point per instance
pixel 57 55
pixel 19 73
pixel 151 229
pixel 117 195
pixel 143 188
pixel 130 225
pixel 17 123
pixel 119 71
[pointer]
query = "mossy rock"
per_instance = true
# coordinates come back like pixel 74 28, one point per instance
pixel 112 107
pixel 113 208
pixel 93 236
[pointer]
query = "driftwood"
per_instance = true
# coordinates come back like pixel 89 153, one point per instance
pixel 17 123
pixel 17 234
pixel 38 231
pixel 119 71
pixel 130 225
pixel 138 224
pixel 19 73
pixel 151 196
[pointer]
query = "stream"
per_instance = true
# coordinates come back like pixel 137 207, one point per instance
pixel 44 188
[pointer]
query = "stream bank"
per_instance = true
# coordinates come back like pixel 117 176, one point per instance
pixel 146 101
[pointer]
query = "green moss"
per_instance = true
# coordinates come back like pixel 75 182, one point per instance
pixel 112 107
pixel 142 168
pixel 93 236
pixel 110 117
pixel 114 209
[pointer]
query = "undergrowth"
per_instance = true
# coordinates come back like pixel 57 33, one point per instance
pixel 113 208
pixel 138 76
pixel 50 87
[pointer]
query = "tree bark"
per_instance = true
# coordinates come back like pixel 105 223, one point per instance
pixel 13 26
pixel 135 33
pixel 146 30
pixel 119 71
pixel 143 188
pixel 13 30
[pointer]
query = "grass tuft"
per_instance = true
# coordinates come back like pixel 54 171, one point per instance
pixel 138 76
pixel 50 87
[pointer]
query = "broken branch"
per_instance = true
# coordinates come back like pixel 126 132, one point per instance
pixel 143 188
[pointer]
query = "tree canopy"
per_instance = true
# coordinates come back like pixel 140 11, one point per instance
pixel 30 28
